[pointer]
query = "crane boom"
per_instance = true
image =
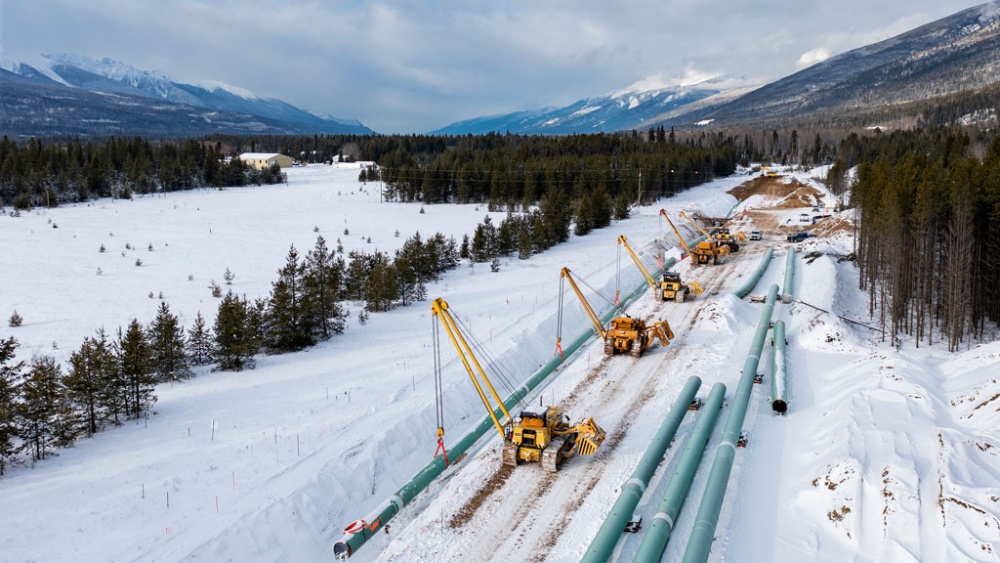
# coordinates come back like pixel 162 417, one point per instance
pixel 622 241
pixel 598 325
pixel 663 212
pixel 697 226
pixel 439 308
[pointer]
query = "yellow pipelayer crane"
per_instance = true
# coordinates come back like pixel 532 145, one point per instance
pixel 670 287
pixel 702 253
pixel 626 334
pixel 708 248
pixel 543 435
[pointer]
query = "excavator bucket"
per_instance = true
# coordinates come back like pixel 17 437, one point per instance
pixel 590 437
pixel 696 288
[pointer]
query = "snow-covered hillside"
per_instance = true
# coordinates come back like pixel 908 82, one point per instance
pixel 884 455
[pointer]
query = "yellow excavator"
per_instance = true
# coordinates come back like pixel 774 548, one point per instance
pixel 706 251
pixel 624 335
pixel 670 288
pixel 767 172
pixel 542 435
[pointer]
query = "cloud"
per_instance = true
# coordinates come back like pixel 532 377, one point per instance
pixel 413 66
pixel 812 57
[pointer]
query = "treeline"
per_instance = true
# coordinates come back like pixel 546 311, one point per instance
pixel 45 174
pixel 929 215
pixel 514 172
pixel 111 379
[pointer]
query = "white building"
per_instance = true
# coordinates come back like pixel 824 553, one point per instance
pixel 262 160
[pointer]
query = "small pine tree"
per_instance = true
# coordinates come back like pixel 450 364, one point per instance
pixel 135 362
pixel 11 375
pixel 324 285
pixel 216 289
pixel 289 324
pixel 201 346
pixel 236 336
pixel 228 276
pixel 166 338
pixel 91 371
pixel 15 320
pixel 44 417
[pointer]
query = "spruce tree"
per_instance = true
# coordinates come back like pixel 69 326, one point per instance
pixel 201 344
pixel 382 287
pixel 91 369
pixel 324 285
pixel 135 360
pixel 44 417
pixel 236 339
pixel 289 326
pixel 584 216
pixel 10 381
pixel 166 339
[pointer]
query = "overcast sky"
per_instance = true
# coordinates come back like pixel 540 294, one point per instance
pixel 411 66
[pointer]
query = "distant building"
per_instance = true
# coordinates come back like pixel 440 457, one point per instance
pixel 262 160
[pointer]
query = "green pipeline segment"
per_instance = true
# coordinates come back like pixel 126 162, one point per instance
pixel 755 277
pixel 366 528
pixel 655 541
pixel 621 512
pixel 779 372
pixel 786 289
pixel 700 542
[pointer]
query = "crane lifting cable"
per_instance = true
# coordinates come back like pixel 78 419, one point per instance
pixel 438 393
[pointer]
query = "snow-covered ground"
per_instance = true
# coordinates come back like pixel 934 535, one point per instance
pixel 884 455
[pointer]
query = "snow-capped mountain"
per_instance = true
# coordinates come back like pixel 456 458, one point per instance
pixel 48 95
pixel 616 111
pixel 956 54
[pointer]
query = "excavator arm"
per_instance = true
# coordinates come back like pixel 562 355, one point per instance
pixel 439 308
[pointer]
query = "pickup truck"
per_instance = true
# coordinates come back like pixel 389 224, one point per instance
pixel 798 237
pixel 754 235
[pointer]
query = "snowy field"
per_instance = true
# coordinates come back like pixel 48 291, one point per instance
pixel 884 455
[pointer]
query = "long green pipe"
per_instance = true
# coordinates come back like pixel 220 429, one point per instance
pixel 652 546
pixel 700 542
pixel 633 489
pixel 786 289
pixel 779 373
pixel 346 546
pixel 755 277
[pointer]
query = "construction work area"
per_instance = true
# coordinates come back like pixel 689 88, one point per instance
pixel 675 465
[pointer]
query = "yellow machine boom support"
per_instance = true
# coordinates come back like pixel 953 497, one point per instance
pixel 564 274
pixel 622 241
pixel 439 308
pixel 663 212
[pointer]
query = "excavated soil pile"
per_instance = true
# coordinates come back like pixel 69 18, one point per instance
pixel 779 193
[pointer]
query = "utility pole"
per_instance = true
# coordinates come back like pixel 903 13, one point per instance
pixel 639 203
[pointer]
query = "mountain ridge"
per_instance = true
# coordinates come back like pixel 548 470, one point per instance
pixel 42 96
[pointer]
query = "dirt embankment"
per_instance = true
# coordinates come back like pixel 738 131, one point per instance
pixel 779 194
